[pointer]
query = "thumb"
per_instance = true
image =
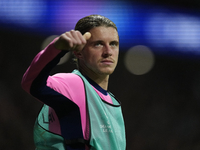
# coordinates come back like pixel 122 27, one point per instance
pixel 87 35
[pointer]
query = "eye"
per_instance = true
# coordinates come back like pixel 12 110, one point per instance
pixel 98 44
pixel 114 43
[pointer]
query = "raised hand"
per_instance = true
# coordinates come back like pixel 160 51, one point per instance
pixel 72 41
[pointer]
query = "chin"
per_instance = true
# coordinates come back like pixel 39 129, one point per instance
pixel 107 72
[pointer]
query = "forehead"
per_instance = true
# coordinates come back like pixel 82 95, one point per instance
pixel 104 33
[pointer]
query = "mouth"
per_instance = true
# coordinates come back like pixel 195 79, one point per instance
pixel 107 62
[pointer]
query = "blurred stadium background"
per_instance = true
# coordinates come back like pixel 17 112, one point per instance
pixel 157 79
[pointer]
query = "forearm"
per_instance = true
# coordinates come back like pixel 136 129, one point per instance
pixel 44 61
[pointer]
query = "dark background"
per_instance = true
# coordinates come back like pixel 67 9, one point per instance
pixel 161 108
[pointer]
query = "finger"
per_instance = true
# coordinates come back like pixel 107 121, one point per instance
pixel 82 39
pixel 69 39
pixel 87 35
pixel 79 39
pixel 64 42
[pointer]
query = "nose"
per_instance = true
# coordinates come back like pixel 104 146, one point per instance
pixel 107 51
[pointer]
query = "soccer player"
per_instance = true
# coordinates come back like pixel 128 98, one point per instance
pixel 79 112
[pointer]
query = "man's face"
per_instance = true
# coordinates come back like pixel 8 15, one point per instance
pixel 100 54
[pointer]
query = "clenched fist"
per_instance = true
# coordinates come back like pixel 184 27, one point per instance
pixel 72 41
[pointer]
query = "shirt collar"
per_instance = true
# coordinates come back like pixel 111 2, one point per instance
pixel 96 86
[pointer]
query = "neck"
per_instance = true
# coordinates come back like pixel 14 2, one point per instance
pixel 101 80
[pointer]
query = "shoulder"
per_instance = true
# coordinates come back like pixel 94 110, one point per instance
pixel 69 79
pixel 66 76
pixel 69 85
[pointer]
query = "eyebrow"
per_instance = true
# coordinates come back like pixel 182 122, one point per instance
pixel 115 41
pixel 101 41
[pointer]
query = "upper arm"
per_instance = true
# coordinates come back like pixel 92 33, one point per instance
pixel 68 84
